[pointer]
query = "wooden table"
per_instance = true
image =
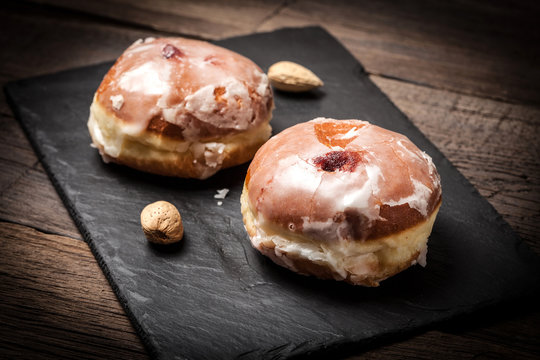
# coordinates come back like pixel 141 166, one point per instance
pixel 466 74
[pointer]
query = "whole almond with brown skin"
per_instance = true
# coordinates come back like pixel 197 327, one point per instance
pixel 293 77
pixel 162 223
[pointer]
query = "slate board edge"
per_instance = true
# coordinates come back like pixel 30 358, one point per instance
pixel 356 343
pixel 146 340
pixel 353 346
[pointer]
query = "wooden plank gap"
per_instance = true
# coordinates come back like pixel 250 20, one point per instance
pixel 38 229
pixel 284 4
pixel 18 178
pixel 17 349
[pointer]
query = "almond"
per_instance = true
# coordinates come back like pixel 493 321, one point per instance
pixel 161 223
pixel 293 77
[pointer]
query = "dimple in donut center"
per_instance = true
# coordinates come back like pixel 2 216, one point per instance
pixel 338 160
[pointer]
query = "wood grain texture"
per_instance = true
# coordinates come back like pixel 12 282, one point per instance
pixel 493 143
pixel 47 45
pixel 32 200
pixel 464 73
pixel 207 19
pixel 16 155
pixel 468 48
pixel 55 301
pixel 26 193
pixel 49 42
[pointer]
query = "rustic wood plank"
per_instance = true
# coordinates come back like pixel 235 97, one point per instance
pixel 49 42
pixel 16 155
pixel 518 322
pixel 26 193
pixel 480 48
pixel 56 303
pixel 32 200
pixel 493 143
pixel 208 19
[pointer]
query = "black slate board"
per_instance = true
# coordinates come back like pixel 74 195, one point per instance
pixel 213 296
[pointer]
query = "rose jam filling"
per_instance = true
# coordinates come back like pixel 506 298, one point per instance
pixel 169 51
pixel 338 160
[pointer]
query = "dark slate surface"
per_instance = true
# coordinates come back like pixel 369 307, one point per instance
pixel 213 296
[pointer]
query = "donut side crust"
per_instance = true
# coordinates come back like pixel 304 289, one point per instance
pixel 156 153
pixel 372 260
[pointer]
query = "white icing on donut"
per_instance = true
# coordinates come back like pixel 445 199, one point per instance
pixel 354 132
pixel 417 200
pixel 117 101
pixel 213 154
pixel 111 147
pixel 137 42
pixel 293 167
pixel 353 261
pixel 390 172
pixel 422 257
pixel 262 89
pixel 149 79
pixel 179 80
pixel 320 230
pixel 203 105
pixel 311 251
pixel 200 102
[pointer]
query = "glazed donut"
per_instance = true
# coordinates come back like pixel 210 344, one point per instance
pixel 181 107
pixel 341 199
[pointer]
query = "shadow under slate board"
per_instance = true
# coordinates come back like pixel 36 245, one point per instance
pixel 213 296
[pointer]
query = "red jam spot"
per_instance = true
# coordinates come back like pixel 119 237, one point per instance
pixel 169 51
pixel 338 160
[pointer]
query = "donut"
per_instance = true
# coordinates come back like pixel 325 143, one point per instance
pixel 341 199
pixel 181 107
